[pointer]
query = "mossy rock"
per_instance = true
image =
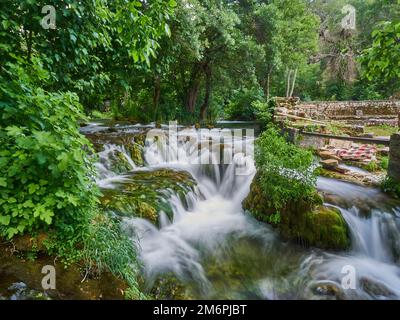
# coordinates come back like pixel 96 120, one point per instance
pixel 146 193
pixel 257 203
pixel 323 228
pixel 305 221
pixel 169 287
pixel 132 142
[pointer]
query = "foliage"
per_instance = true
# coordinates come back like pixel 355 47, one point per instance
pixel 384 163
pixel 286 172
pixel 241 105
pixel 108 249
pixel 274 218
pixel 264 110
pixel 90 39
pixel 390 186
pixel 372 166
pixel 46 175
pixel 382 59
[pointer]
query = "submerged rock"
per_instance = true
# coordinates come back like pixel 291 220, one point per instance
pixel 169 287
pixel 21 279
pixel 327 289
pixel 306 222
pixel 375 288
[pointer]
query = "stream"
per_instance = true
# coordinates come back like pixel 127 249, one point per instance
pixel 215 250
pixel 220 252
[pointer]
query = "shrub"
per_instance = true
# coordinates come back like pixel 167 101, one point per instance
pixel 385 163
pixel 286 171
pixel 390 186
pixel 46 176
pixel 241 105
pixel 264 110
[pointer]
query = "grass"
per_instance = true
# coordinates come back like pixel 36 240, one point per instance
pixel 109 249
pixel 381 130
pixel 97 115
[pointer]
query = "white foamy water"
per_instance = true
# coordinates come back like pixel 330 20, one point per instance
pixel 211 217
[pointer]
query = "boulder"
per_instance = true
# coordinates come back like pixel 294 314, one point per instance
pixel 330 164
pixel 145 194
pixel 325 154
pixel 306 222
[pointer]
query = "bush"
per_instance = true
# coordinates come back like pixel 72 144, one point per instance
pixel 241 105
pixel 264 110
pixel 391 187
pixel 46 176
pixel 285 171
pixel 385 163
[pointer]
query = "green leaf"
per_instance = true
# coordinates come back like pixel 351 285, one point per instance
pixel 3 182
pixel 5 24
pixel 5 220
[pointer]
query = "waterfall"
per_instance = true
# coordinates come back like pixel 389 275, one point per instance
pixel 210 224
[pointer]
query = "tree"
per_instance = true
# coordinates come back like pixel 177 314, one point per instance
pixel 89 36
pixel 382 59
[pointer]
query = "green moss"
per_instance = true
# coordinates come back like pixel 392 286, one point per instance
pixel 132 142
pixel 304 221
pixel 169 287
pixel 146 193
pixel 323 227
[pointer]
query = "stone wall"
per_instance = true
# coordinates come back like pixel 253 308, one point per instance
pixel 394 157
pixel 352 112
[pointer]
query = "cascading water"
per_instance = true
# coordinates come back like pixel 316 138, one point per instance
pixel 219 251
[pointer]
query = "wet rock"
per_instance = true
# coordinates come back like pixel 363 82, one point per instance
pixel 351 176
pixel 375 288
pixel 306 222
pixel 323 227
pixel 21 279
pixel 330 164
pixel 327 289
pixel 132 142
pixel 145 193
pixel 168 287
pixel 20 291
pixel 325 155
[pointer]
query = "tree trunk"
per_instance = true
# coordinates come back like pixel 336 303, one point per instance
pixel 193 89
pixel 289 74
pixel 156 95
pixel 268 85
pixel 204 106
pixel 293 82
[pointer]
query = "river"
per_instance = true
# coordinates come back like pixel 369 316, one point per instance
pixel 219 251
